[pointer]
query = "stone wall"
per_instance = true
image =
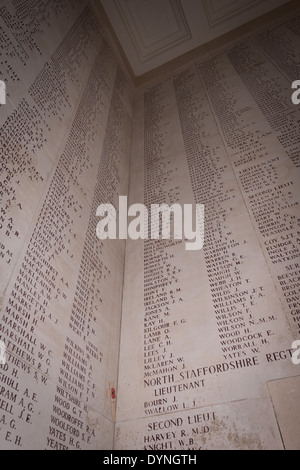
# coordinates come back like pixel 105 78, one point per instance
pixel 209 363
pixel 65 145
pixel 146 345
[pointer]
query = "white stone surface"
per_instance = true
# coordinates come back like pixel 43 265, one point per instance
pixel 197 345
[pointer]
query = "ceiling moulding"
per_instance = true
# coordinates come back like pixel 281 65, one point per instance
pixel 219 11
pixel 155 26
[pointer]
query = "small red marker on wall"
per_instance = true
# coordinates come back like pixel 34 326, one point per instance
pixel 113 395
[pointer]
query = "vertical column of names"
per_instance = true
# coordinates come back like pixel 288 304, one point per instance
pixel 93 335
pixel 235 294
pixel 260 129
pixel 163 290
pixel 31 135
pixel 38 302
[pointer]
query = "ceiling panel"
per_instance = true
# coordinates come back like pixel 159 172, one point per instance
pixel 154 26
pixel 153 32
pixel 221 10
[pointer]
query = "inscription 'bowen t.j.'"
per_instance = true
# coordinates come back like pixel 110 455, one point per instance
pixel 138 227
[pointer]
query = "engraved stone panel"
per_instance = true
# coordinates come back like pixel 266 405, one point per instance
pixel 285 398
pixel 214 326
pixel 234 426
pixel 65 148
pixel 197 344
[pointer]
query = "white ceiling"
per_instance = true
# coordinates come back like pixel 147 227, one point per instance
pixel 153 32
